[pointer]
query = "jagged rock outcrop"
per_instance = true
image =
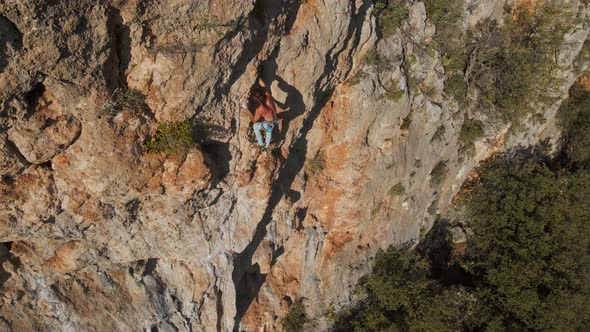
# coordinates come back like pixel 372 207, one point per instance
pixel 99 235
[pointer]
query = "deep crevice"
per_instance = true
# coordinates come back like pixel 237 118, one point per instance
pixel 120 57
pixel 5 255
pixel 221 156
pixel 9 35
pixel 246 290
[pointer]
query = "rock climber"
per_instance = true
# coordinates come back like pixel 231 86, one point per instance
pixel 265 113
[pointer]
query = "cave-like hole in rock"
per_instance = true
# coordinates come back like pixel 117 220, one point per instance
pixel 32 97
pixel 4 256
pixel 220 155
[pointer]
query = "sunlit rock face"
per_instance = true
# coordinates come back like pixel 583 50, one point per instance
pixel 99 235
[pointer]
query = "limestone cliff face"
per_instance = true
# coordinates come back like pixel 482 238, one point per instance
pixel 98 235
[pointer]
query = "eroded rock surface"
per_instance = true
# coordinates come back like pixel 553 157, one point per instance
pixel 99 235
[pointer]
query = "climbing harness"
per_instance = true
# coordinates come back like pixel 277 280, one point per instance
pixel 269 125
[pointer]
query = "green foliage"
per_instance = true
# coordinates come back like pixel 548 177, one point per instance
pixel 438 173
pixel 121 99
pixel 457 87
pixel 132 96
pixel 296 318
pixel 515 64
pixel 397 190
pixel 317 164
pixel 471 131
pixel 449 36
pixel 440 11
pixel 529 249
pixel 526 267
pixel 406 122
pixel 390 15
pixel 375 59
pixel 170 137
pixel 527 262
pixel 358 76
pixel 393 93
pixel 574 117
pixel 401 296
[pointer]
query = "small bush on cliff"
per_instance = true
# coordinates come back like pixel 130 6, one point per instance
pixel 393 92
pixel 441 11
pixel 377 60
pixel 170 137
pixel 397 190
pixel 438 173
pixel 317 164
pixel 121 99
pixel 296 318
pixel 390 15
pixel 406 122
pixel 446 16
pixel 357 77
pixel 471 131
pixel 457 87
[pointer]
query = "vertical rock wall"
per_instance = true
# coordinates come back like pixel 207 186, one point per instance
pixel 98 235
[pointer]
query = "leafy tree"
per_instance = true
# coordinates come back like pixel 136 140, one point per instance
pixel 446 16
pixel 457 87
pixel 514 64
pixel 390 15
pixel 471 131
pixel 296 318
pixel 401 296
pixel 529 249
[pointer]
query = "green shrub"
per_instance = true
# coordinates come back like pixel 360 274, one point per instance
pixel 393 92
pixel 296 318
pixel 121 99
pixel 457 87
pixel 377 60
pixel 397 190
pixel 317 164
pixel 170 137
pixel 406 122
pixel 441 11
pixel 390 15
pixel 358 76
pixel 515 64
pixel 471 131
pixel 438 173
pixel 132 98
pixel 574 116
pixel 449 36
